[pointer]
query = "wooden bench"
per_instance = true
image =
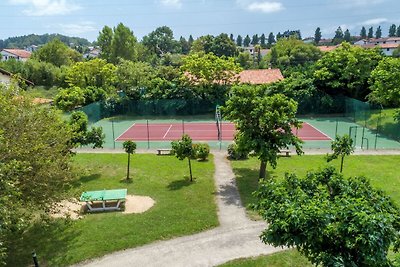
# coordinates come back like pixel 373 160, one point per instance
pixel 164 151
pixel 285 152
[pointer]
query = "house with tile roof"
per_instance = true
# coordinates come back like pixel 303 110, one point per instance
pixel 387 45
pixel 263 76
pixel 17 54
pixel 6 78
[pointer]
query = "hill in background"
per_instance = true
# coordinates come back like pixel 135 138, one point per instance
pixel 34 39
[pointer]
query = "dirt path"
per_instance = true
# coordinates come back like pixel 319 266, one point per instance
pixel 236 237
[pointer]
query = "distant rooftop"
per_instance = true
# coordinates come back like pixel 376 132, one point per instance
pixel 260 76
pixel 19 52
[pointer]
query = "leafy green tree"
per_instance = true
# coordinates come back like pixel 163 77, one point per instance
pixel 222 45
pixel 245 60
pixel 232 37
pixel 339 36
pixel 341 147
pixel 317 35
pixel 347 36
pixel 363 33
pixel 292 52
pixel 203 44
pixel 134 78
pixel 160 41
pixel 190 41
pixel 57 53
pixel 123 44
pixel 398 31
pixel 384 81
pixel 184 149
pixel 209 75
pixel 255 40
pixel 185 47
pixel 96 72
pixel 271 39
pixel 35 162
pixel 263 123
pixel 129 147
pixel 246 41
pixel 104 41
pixel 370 33
pixel 70 98
pixel 263 41
pixel 346 70
pixel 392 30
pixel 80 135
pixel 331 220
pixel 396 52
pixel 378 33
pixel 239 40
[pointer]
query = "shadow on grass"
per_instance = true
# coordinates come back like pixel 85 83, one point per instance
pixel 85 179
pixel 48 240
pixel 179 184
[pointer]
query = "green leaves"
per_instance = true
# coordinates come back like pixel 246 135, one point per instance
pixel 129 147
pixel 332 220
pixel 183 148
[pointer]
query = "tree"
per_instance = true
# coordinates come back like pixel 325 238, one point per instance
pixel 341 147
pixel 222 45
pixel 160 41
pixel 246 41
pixel 239 40
pixel 80 135
pixel 392 30
pixel 338 38
pixel 184 149
pixel 255 40
pixel 289 52
pixel 363 33
pixel 203 44
pixel 104 41
pixel 396 52
pixel 129 147
pixel 398 31
pixel 347 36
pixel 232 37
pixel 378 33
pixel 263 123
pixel 245 60
pixel 262 41
pixel 57 53
pixel 185 47
pixel 346 70
pixel 370 33
pixel 317 35
pixel 384 82
pixel 35 162
pixel 331 220
pixel 271 39
pixel 190 40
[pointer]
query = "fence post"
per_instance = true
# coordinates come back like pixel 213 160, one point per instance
pixel 148 135
pixel 377 127
pixel 113 133
pixel 183 126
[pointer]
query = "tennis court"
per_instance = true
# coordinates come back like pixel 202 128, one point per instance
pixel 201 132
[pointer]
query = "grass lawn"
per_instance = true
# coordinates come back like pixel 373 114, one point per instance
pixel 383 172
pixel 181 208
pixel 43 92
pixel 290 258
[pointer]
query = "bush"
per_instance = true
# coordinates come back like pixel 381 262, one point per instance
pixel 201 151
pixel 235 153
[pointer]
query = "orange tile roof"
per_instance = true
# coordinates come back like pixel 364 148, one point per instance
pixel 325 48
pixel 388 45
pixel 260 76
pixel 39 100
pixel 19 52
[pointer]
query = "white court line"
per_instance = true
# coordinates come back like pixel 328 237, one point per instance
pixel 170 126
pixel 116 139
pixel 319 131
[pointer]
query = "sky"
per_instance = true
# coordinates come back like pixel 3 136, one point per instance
pixel 85 18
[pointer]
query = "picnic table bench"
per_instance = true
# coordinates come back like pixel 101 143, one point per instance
pixel 164 151
pixel 104 200
pixel 285 152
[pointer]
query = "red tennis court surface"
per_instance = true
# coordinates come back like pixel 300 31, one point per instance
pixel 200 132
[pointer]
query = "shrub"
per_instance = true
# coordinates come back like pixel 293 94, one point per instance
pixel 201 151
pixel 235 153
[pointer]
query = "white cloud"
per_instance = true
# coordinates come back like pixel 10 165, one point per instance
pixel 78 28
pixel 46 7
pixel 171 3
pixel 375 21
pixel 357 3
pixel 264 7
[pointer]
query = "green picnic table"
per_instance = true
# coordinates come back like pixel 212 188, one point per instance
pixel 108 199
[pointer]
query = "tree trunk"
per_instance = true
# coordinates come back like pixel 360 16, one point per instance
pixel 190 170
pixel 263 170
pixel 341 165
pixel 127 171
